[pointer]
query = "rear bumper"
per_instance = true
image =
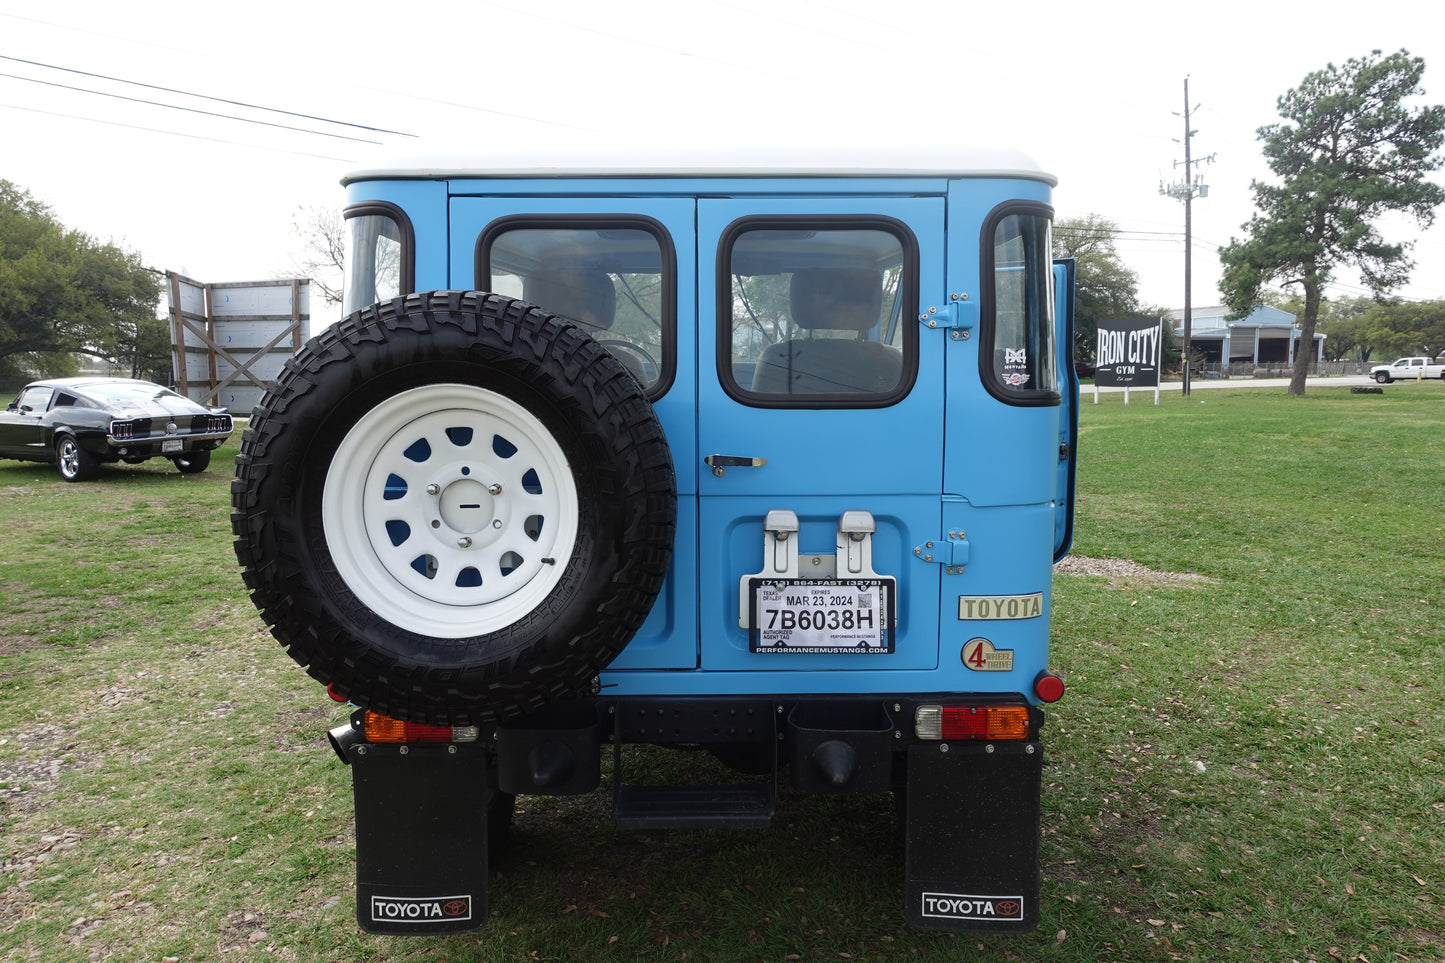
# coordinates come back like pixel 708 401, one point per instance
pixel 969 808
pixel 156 447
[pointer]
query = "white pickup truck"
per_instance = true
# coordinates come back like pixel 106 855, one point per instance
pixel 1410 369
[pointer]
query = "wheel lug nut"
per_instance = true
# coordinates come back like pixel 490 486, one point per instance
pixel 495 489
pixel 464 542
pixel 496 523
pixel 433 489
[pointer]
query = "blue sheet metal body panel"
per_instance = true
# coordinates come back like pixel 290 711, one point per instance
pixel 948 457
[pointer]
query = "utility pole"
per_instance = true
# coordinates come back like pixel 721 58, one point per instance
pixel 1186 190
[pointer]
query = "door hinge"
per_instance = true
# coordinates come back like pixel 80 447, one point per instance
pixel 950 551
pixel 958 313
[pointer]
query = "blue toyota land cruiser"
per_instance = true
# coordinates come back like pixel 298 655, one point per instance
pixel 769 454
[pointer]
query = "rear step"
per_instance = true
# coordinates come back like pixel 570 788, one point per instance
pixel 695 807
pixel 703 723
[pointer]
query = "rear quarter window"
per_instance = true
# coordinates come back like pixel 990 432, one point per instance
pixel 1016 355
pixel 379 255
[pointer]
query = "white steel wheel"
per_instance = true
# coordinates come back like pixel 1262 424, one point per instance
pixel 450 510
pixel 454 507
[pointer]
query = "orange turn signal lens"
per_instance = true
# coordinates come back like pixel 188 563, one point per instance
pixel 380 728
pixel 1008 722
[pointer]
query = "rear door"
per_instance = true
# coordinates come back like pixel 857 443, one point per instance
pixel 1069 410
pixel 815 399
pixel 624 268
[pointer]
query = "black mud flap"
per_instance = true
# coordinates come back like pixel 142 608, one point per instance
pixel 972 838
pixel 421 838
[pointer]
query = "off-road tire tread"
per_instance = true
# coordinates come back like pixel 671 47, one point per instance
pixel 292 581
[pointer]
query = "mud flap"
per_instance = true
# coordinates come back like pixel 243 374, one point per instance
pixel 421 838
pixel 972 838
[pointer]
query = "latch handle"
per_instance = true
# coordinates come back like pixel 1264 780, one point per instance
pixel 721 463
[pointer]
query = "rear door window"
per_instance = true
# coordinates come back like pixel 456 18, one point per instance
pixel 614 276
pixel 810 313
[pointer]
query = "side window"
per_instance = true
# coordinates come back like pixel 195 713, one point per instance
pixel 811 313
pixel 34 401
pixel 1016 353
pixel 378 255
pixel 615 276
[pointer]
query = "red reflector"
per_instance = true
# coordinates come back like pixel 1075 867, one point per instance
pixel 1048 687
pixel 416 732
pixel 331 691
pixel 965 722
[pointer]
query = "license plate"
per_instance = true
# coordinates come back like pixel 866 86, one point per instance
pixel 821 616
pixel 172 444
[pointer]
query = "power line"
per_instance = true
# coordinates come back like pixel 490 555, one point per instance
pixel 1121 234
pixel 189 110
pixel 220 100
pixel 176 133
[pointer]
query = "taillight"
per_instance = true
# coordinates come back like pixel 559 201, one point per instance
pixel 380 728
pixel 122 430
pixel 218 423
pixel 989 723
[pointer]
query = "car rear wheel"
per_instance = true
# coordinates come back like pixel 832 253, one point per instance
pixel 73 462
pixel 454 507
pixel 192 462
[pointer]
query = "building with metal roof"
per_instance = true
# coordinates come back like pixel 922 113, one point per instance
pixel 1266 336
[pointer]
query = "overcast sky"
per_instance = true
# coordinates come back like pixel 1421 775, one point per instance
pixel 1092 91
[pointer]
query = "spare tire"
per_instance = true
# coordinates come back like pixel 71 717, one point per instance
pixel 454 507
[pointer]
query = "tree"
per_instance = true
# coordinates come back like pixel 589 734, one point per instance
pixel 145 348
pixel 322 231
pixel 62 293
pixel 1350 152
pixel 1343 324
pixel 1405 328
pixel 1104 288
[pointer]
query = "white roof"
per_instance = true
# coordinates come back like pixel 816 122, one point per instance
pixel 751 160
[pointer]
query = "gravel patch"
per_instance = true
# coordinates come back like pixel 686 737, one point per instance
pixel 1121 570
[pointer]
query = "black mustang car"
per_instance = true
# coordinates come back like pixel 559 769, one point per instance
pixel 78 423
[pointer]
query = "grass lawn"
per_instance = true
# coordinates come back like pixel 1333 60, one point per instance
pixel 1248 764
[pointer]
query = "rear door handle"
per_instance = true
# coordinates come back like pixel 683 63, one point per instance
pixel 721 463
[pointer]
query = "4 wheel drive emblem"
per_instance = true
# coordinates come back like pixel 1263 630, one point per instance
pixel 981 656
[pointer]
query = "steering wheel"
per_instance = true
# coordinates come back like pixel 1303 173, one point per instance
pixel 642 362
